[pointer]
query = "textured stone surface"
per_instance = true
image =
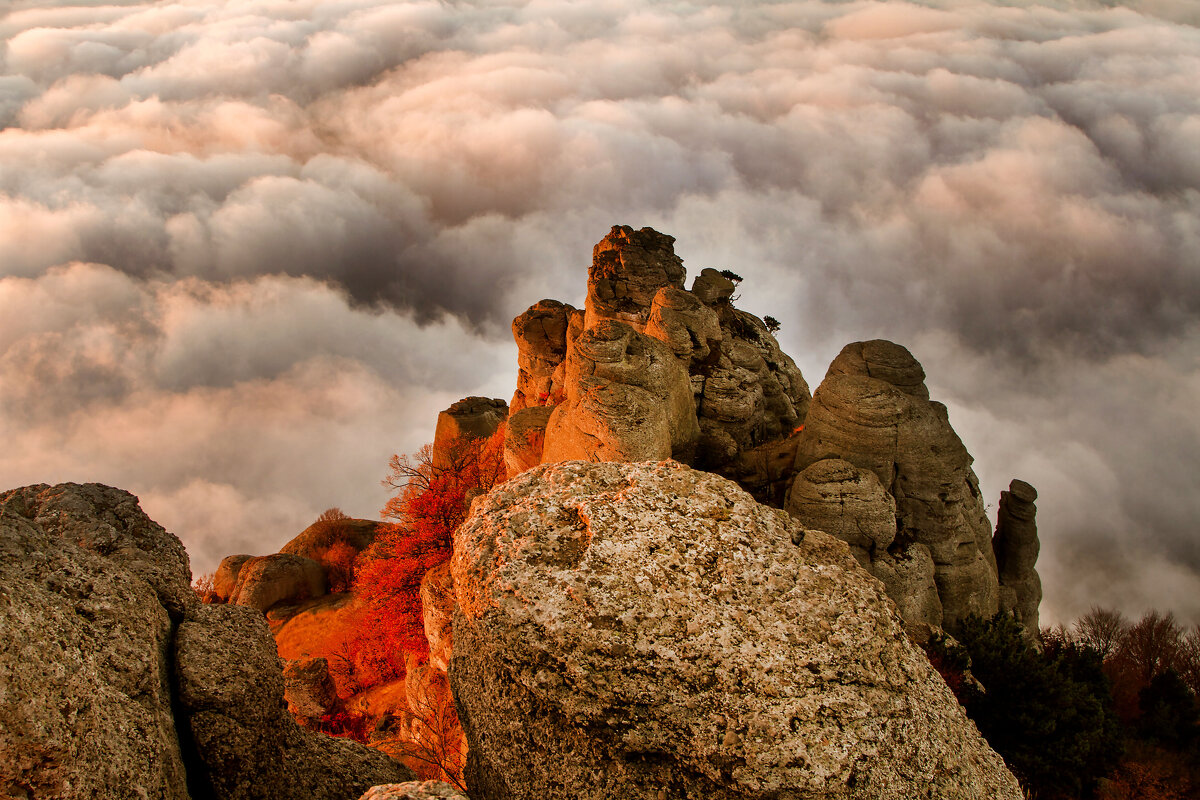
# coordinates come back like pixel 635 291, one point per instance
pixel 628 399
pixel 85 699
pixel 115 682
pixel 628 268
pixel 894 431
pixel 264 581
pixel 525 438
pixel 712 288
pixel 414 790
pixel 691 329
pixel 1016 547
pixel 647 630
pixel 231 690
pixel 837 497
pixel 308 688
pixel 437 613
pixel 541 337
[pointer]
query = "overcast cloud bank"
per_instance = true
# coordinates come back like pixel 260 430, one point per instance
pixel 249 248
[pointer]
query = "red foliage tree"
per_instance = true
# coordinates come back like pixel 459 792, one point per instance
pixel 435 492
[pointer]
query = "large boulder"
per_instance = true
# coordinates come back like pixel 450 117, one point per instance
pixel 226 576
pixel 873 411
pixel 414 790
pixel 116 682
pixel 85 646
pixel 264 581
pixel 647 630
pixel 437 613
pixel 628 268
pixel 231 700
pixel 837 497
pixel 691 329
pixel 525 438
pixel 308 688
pixel 1016 547
pixel 628 399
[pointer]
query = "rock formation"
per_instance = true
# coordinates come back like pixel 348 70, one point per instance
pixel 316 538
pixel 873 411
pixel 263 581
pixel 414 790
pixel 469 418
pixel 647 630
pixel 613 379
pixel 308 688
pixel 118 683
pixel 1016 546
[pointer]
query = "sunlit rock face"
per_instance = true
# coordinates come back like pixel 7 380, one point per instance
pixel 541 337
pixel 628 268
pixel 469 418
pixel 116 677
pixel 648 630
pixel 872 411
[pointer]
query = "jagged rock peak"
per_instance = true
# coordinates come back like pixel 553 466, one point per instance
pixel 628 268
pixel 659 633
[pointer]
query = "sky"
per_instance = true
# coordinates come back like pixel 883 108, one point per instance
pixel 250 248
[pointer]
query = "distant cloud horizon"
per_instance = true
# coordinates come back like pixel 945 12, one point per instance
pixel 250 248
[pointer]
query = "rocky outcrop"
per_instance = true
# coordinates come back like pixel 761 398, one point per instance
pixel 525 438
pixel 116 682
pixel 628 268
pixel 263 581
pixel 657 633
pixel 308 688
pixel 691 329
pixel 437 613
pixel 1016 547
pixel 468 419
pixel 541 337
pixel 317 538
pixel 225 578
pixel 872 411
pixel 628 399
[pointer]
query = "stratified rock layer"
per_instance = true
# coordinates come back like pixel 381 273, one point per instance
pixel 649 631
pixel 628 268
pixel 115 682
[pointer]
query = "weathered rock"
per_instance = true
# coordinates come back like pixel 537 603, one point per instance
pixel 308 688
pixel 751 394
pixel 225 578
pixel 231 700
pixel 437 614
pixel 414 790
pixel 712 288
pixel 767 470
pixel 894 431
pixel 541 337
pixel 318 537
pixel 264 581
pixel 628 398
pixel 837 497
pixel 690 328
pixel 1016 547
pixel 469 418
pixel 628 268
pixel 85 697
pixel 908 576
pixel 113 676
pixel 525 438
pixel 658 633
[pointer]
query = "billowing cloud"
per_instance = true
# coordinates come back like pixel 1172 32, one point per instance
pixel 249 248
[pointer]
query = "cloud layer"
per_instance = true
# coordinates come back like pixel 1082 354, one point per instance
pixel 248 248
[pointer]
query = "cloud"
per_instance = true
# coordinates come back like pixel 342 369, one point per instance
pixel 211 213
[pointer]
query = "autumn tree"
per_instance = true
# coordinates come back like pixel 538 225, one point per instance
pixel 433 496
pixel 1101 629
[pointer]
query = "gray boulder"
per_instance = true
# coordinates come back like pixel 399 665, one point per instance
pixel 116 682
pixel 308 688
pixel 649 631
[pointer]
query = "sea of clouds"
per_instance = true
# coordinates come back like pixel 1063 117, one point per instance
pixel 249 248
